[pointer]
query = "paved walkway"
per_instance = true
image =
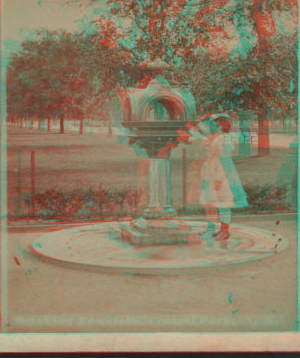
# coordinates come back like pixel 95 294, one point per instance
pixel 253 296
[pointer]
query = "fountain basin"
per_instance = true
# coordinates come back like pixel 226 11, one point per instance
pixel 99 247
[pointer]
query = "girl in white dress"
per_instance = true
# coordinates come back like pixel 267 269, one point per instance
pixel 221 188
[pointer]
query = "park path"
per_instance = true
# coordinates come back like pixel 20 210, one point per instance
pixel 255 296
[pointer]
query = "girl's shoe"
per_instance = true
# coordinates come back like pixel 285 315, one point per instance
pixel 222 235
pixel 216 233
pixel 207 234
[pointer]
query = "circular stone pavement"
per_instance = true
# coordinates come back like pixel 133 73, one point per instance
pixel 99 247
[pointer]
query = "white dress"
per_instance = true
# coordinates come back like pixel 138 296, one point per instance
pixel 220 184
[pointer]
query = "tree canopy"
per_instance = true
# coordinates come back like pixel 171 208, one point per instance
pixel 61 73
pixel 231 53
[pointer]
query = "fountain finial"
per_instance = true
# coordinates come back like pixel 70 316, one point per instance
pixel 155 66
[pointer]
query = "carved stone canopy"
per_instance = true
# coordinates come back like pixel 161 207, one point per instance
pixel 158 102
pixel 154 111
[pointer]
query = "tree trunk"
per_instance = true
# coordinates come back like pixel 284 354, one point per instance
pixel 184 178
pixel 265 27
pixel 40 121
pixel 284 125
pixel 62 125
pixel 19 182
pixel 32 182
pixel 42 124
pixel 48 124
pixel 263 134
pixel 81 127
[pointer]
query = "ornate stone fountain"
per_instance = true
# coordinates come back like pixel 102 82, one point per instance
pixel 154 112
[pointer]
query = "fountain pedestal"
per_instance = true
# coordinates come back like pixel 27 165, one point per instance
pixel 160 189
pixel 154 231
pixel 157 224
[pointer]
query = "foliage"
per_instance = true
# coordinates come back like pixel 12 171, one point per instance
pixel 61 73
pixel 244 78
pixel 229 52
pixel 57 203
pixel 44 77
pixel 257 78
pixel 261 198
pixel 266 197
pixel 162 28
pixel 76 203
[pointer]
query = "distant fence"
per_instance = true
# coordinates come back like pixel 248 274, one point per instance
pixel 35 182
pixel 91 126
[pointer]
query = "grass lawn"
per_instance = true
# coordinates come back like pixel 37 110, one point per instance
pixel 90 160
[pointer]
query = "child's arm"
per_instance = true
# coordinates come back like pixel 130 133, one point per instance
pixel 196 134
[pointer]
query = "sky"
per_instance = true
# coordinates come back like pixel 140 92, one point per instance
pixel 23 16
pixel 32 14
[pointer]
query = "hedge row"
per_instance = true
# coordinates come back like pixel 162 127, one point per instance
pixel 57 203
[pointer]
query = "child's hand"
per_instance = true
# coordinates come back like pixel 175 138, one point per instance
pixel 189 126
pixel 183 136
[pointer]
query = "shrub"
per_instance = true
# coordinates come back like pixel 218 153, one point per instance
pixel 120 201
pixel 78 202
pixel 267 197
pixel 261 198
